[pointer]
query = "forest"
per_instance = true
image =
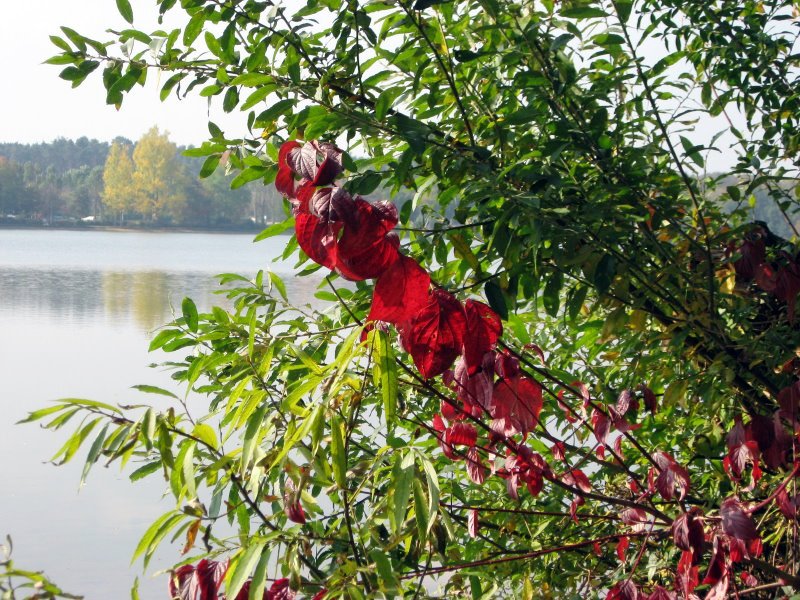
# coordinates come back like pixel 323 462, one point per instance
pixel 149 183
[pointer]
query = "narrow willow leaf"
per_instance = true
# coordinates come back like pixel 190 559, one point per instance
pixel 291 441
pixel 152 389
pixel 94 452
pixel 402 478
pixel 243 567
pixel 386 369
pixel 338 456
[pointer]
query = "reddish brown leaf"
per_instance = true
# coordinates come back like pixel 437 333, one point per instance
pixel 659 593
pixel 400 292
pixel 472 523
pixel 475 468
pixel 687 576
pixel 688 532
pixel 600 426
pixel 191 536
pixel 671 475
pixel 624 590
pixel 650 400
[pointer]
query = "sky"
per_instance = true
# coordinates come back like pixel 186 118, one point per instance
pixel 37 106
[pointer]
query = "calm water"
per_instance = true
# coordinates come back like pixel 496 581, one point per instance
pixel 76 312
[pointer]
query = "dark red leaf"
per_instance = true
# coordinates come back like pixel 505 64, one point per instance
pixel 210 574
pixel 752 254
pixel 650 400
pixel 736 522
pixel 484 327
pixel 475 391
pixel 400 292
pixel 461 434
pixel 789 401
pixel 435 335
pixel 671 475
pixel 558 451
pixel 506 365
pixel 516 404
pixel 636 518
pixel 786 504
pixel 578 479
pixel 688 532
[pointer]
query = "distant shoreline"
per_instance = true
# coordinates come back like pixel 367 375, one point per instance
pixel 130 229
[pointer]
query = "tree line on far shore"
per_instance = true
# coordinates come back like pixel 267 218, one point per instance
pixel 147 183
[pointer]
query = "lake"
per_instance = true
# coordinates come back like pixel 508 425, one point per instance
pixel 77 311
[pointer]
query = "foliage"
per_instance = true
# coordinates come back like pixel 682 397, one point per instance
pixel 616 419
pixel 118 190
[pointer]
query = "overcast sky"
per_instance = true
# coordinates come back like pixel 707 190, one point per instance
pixel 37 106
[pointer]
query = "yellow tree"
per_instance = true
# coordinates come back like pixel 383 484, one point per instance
pixel 158 177
pixel 118 188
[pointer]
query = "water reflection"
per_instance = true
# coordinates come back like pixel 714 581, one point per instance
pixel 146 299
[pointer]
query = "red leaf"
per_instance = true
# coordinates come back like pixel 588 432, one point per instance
pixel 483 329
pixel 365 250
pixel 516 403
pixel 320 595
pixel 318 239
pixel 736 522
pixel 461 434
pixel 400 292
pixel 578 479
pixel 210 574
pixel 472 524
pixel 558 450
pixel 789 400
pixel 600 426
pixel 284 180
pixel 291 504
pixel 280 590
pixel 622 547
pixel 435 335
pixel 787 506
pixel 752 253
pixel 475 391
pixel 475 468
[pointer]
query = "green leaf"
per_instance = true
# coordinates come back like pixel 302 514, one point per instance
pixel 281 107
pixel 385 571
pixel 124 8
pixel 401 482
pixel 338 453
pixel 273 230
pixel 583 12
pixel 189 310
pixel 385 373
pixel 209 166
pixel 152 389
pixel 244 566
pixel 496 298
pixel 604 273
pixel 206 434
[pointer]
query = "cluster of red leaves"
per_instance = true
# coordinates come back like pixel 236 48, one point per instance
pixel 779 277
pixel 204 580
